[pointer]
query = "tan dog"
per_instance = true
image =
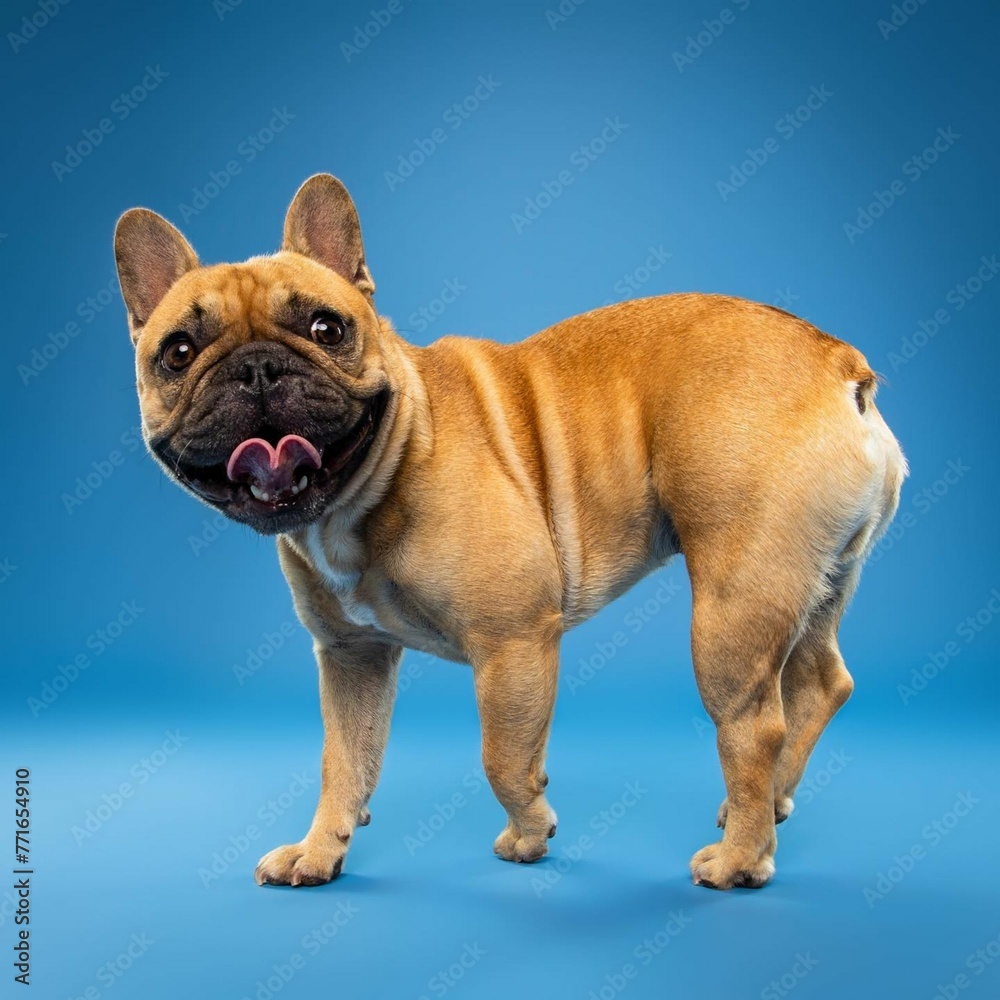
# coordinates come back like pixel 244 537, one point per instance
pixel 475 500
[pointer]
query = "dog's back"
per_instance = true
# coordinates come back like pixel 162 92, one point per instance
pixel 701 422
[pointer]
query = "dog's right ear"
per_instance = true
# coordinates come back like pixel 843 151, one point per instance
pixel 151 255
pixel 322 223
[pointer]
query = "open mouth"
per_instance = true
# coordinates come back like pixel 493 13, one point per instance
pixel 268 478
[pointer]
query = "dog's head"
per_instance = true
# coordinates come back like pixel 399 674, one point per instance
pixel 263 386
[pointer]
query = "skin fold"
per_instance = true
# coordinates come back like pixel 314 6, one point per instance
pixel 492 496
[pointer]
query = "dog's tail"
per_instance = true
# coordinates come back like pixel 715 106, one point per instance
pixel 889 466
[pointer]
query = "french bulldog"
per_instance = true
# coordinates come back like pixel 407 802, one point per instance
pixel 475 500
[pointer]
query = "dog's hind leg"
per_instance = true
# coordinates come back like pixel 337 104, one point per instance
pixel 815 682
pixel 814 685
pixel 746 619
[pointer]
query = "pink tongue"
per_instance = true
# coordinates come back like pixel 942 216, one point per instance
pixel 271 470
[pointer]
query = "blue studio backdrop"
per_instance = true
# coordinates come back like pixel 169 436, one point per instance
pixel 513 164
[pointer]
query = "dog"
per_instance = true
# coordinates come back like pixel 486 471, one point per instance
pixel 475 500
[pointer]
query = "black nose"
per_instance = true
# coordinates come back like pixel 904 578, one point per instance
pixel 259 371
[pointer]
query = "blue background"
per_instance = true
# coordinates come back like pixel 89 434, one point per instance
pixel 210 602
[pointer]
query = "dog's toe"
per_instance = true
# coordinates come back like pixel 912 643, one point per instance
pixel 783 808
pixel 718 866
pixel 513 845
pixel 298 865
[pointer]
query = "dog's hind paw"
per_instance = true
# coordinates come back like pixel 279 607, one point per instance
pixel 516 844
pixel 512 845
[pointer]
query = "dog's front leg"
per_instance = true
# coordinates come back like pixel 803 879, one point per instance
pixel 357 689
pixel 516 692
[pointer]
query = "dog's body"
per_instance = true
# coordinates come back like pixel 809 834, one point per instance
pixel 476 500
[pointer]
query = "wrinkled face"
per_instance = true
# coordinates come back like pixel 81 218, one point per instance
pixel 262 385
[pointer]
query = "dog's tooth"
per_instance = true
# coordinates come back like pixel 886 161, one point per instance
pixel 295 490
pixel 257 491
pixel 265 497
pixel 303 482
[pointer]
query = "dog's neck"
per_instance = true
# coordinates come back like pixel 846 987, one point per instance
pixel 406 433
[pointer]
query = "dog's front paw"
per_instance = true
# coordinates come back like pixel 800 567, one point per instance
pixel 299 864
pixel 720 866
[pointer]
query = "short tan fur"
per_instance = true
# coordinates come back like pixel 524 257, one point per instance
pixel 511 491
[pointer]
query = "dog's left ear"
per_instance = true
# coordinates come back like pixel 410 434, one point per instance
pixel 151 255
pixel 322 223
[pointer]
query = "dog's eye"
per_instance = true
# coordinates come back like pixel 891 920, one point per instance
pixel 327 329
pixel 177 353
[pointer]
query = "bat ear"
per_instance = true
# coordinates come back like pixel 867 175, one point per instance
pixel 322 223
pixel 151 255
